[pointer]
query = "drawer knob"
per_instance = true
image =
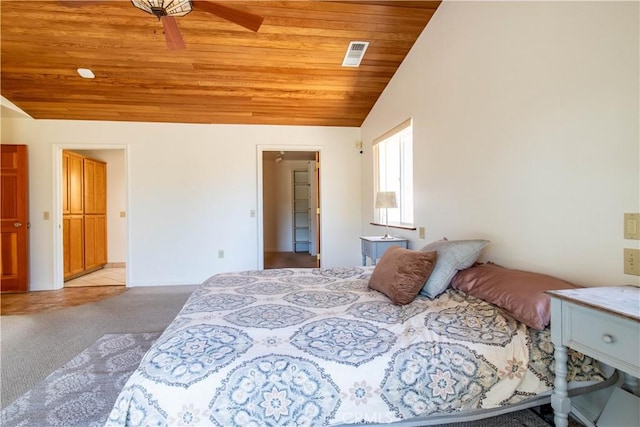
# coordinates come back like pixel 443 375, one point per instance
pixel 607 338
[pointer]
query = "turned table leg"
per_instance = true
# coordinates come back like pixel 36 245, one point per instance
pixel 560 399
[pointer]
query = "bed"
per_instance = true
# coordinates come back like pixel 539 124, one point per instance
pixel 296 347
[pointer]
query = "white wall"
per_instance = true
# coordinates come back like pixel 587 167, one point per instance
pixel 191 190
pixel 525 133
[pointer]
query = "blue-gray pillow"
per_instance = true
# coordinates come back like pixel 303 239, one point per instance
pixel 453 255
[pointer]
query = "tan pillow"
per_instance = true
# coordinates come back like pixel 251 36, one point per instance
pixel 401 273
pixel 520 293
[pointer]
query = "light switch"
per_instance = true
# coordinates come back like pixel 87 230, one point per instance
pixel 421 232
pixel 45 215
pixel 632 226
pixel 123 214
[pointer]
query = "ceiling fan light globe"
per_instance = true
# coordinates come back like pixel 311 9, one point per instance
pixel 160 8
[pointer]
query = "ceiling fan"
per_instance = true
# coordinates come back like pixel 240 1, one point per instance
pixel 167 10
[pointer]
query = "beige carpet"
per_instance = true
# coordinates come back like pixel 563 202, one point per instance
pixel 32 346
pixel 83 391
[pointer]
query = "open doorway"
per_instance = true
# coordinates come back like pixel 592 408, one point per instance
pixel 96 230
pixel 290 207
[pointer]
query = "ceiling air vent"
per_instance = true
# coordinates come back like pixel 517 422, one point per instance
pixel 354 54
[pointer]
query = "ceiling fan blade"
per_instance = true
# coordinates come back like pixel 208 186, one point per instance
pixel 172 33
pixel 245 19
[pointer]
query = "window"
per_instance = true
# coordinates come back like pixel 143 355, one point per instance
pixel 393 169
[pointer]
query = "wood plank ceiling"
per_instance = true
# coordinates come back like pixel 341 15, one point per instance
pixel 288 72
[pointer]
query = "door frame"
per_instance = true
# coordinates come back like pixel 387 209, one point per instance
pixel 58 251
pixel 260 203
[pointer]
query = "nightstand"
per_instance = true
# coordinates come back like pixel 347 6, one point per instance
pixel 603 323
pixel 374 246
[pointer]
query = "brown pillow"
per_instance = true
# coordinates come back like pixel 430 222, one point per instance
pixel 401 273
pixel 520 293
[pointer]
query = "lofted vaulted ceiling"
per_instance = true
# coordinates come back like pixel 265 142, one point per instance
pixel 288 72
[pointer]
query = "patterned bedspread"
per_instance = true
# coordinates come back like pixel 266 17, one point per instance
pixel 296 347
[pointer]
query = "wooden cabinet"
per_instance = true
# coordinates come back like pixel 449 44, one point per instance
pixel 95 187
pixel 73 243
pixel 95 241
pixel 72 183
pixel 84 207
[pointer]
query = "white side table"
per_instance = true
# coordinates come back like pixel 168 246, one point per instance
pixel 374 246
pixel 603 323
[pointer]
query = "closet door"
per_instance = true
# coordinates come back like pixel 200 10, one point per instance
pixel 73 243
pixel 84 204
pixel 95 239
pixel 72 210
pixel 65 184
pixel 95 209
pixel 95 187
pixel 75 184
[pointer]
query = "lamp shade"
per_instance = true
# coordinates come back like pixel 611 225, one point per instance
pixel 386 199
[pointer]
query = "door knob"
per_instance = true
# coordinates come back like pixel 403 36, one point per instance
pixel 17 224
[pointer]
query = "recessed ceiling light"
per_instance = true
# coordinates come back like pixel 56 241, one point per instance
pixel 86 73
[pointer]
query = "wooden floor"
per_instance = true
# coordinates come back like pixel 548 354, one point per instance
pixel 289 260
pixel 41 301
pixel 91 289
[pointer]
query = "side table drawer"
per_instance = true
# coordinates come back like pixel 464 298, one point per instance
pixel 610 339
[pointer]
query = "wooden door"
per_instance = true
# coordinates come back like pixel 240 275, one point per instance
pixel 66 210
pixel 95 240
pixel 95 187
pixel 75 184
pixel 95 209
pixel 73 243
pixel 14 216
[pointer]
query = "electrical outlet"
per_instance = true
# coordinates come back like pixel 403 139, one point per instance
pixel 220 253
pixel 632 261
pixel 421 232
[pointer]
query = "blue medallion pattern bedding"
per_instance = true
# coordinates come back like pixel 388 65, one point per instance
pixel 310 347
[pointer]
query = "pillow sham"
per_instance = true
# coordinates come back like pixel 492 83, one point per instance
pixel 453 255
pixel 519 293
pixel 400 273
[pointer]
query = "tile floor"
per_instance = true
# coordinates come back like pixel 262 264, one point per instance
pixel 104 277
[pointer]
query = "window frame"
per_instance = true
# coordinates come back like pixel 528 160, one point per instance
pixel 404 215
